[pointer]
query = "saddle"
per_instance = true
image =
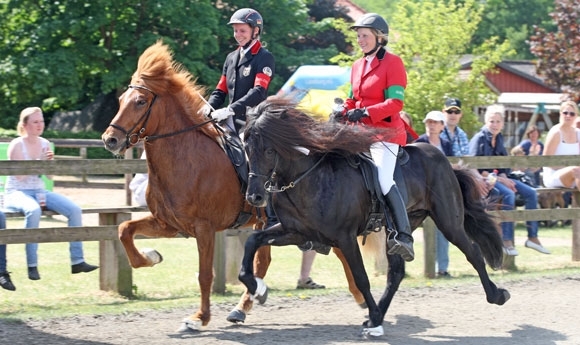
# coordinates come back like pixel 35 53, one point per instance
pixel 371 177
pixel 234 148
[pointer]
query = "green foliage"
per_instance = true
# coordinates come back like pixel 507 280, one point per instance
pixel 63 55
pixel 558 51
pixel 513 20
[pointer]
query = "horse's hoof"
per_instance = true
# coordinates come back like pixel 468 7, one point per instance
pixel 505 296
pixel 261 291
pixel 236 316
pixel 363 305
pixel 373 332
pixel 189 325
pixel 153 255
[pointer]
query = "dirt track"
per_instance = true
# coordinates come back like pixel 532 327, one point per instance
pixel 541 312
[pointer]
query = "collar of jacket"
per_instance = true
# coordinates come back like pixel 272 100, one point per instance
pixel 256 47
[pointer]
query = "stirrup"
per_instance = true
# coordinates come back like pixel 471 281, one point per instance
pixel 397 247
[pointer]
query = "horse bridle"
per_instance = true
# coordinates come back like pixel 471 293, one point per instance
pixel 270 184
pixel 131 133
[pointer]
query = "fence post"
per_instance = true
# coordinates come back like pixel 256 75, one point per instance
pixel 576 228
pixel 429 247
pixel 115 272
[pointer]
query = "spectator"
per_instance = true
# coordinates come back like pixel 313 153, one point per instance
pixel 452 132
pixel 5 281
pixel 563 139
pixel 532 146
pixel 434 124
pixel 489 142
pixel 27 193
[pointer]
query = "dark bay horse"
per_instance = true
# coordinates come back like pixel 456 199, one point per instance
pixel 193 187
pixel 319 195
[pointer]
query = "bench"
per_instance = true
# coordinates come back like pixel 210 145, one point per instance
pixel 115 272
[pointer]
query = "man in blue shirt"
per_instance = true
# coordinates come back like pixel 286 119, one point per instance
pixel 452 132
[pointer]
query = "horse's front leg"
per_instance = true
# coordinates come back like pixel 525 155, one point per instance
pixel 358 296
pixel 262 261
pixel 205 238
pixel 150 227
pixel 394 278
pixel 374 326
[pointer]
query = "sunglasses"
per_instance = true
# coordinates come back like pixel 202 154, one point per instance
pixel 571 113
pixel 451 111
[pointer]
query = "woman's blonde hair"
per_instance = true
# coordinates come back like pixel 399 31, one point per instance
pixel 494 109
pixel 24 115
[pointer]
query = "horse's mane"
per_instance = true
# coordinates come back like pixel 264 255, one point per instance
pixel 158 71
pixel 279 121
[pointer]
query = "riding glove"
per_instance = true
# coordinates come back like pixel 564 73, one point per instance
pixel 222 114
pixel 355 115
pixel 205 110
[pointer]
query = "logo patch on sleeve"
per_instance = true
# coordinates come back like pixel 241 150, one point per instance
pixel 267 71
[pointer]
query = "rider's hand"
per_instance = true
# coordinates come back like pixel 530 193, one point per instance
pixel 205 110
pixel 222 114
pixel 355 115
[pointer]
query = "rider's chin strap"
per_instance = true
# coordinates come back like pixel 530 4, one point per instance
pixel 377 46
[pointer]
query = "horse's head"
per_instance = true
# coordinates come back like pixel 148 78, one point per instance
pixel 161 101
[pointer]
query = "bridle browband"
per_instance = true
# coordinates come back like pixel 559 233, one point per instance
pixel 133 137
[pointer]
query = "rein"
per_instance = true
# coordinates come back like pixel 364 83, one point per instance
pixel 131 134
pixel 270 186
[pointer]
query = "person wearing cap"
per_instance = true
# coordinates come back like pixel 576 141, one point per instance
pixel 434 124
pixel 377 95
pixel 452 132
pixel 489 142
pixel 246 74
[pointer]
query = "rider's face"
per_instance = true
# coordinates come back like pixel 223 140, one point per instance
pixel 366 39
pixel 242 33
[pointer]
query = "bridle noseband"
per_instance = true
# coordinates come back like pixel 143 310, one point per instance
pixel 270 184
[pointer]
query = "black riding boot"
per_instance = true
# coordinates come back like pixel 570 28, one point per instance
pixel 400 240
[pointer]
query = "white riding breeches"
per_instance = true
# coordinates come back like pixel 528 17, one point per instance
pixel 385 157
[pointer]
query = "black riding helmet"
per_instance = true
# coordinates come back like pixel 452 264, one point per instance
pixel 373 21
pixel 248 16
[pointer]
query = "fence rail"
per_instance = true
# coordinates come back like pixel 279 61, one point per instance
pixel 131 166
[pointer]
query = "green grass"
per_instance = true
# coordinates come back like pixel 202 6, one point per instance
pixel 173 283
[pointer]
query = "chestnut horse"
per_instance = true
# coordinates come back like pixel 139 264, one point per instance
pixel 193 187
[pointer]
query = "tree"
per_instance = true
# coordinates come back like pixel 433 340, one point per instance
pixel 512 20
pixel 63 55
pixel 558 52
pixel 432 37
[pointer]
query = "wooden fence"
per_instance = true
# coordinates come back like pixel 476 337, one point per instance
pixel 131 166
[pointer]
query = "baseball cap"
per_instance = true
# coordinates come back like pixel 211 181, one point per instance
pixel 434 115
pixel 452 103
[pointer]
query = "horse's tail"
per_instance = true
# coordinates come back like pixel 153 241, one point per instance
pixel 375 249
pixel 479 225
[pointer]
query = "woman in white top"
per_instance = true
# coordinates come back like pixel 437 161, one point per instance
pixel 563 139
pixel 28 194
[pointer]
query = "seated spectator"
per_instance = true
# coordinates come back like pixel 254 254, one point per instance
pixel 28 194
pixel 489 142
pixel 563 139
pixel 532 146
pixel 434 124
pixel 5 281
